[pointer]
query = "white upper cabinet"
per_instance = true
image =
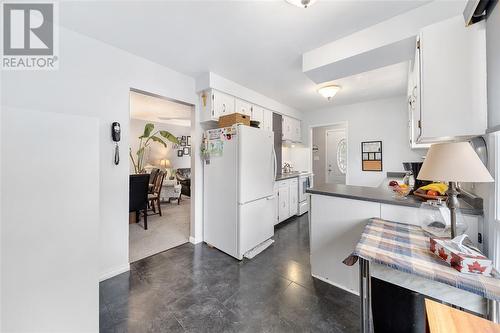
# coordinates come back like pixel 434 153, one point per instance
pixel 413 99
pixel 450 81
pixel 243 107
pixel 257 114
pixel 268 120
pixel 215 104
pixel 264 116
pixel 291 129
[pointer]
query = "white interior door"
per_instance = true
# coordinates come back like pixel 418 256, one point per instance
pixel 336 156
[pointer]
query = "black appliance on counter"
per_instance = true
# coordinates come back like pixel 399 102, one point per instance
pixel 415 167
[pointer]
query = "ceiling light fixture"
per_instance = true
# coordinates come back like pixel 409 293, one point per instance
pixel 329 91
pixel 301 3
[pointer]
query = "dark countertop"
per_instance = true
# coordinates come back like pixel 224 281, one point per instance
pixel 289 175
pixel 382 194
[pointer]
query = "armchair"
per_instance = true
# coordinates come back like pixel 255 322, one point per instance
pixel 183 175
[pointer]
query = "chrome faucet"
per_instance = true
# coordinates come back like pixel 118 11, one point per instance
pixel 287 168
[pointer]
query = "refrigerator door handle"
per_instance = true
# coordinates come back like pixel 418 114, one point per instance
pixel 275 168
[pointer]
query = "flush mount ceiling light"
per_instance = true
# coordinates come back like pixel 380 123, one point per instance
pixel 301 3
pixel 329 91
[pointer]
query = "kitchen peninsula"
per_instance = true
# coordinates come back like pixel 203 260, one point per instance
pixel 338 215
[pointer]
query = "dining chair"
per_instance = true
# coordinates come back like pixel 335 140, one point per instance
pixel 138 196
pixel 152 178
pixel 155 196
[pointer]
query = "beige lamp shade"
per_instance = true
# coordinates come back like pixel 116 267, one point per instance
pixel 165 163
pixel 454 162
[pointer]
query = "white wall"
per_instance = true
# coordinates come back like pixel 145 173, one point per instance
pixel 156 151
pixel 49 222
pixel 384 119
pixel 493 67
pixel 298 157
pixel 94 79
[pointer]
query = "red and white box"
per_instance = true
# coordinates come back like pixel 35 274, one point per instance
pixel 465 259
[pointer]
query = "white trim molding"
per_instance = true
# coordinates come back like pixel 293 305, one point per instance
pixel 195 241
pixel 115 272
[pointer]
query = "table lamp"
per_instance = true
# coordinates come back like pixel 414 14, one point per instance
pixel 453 162
pixel 165 164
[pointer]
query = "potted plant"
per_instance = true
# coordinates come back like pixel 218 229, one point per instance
pixel 146 139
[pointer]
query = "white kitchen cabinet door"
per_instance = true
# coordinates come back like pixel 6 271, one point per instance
pixel 453 80
pixel 413 95
pixel 257 114
pixel 297 136
pixel 294 196
pixel 277 203
pixel 284 201
pixel 287 131
pixel 223 104
pixel 268 120
pixel 243 107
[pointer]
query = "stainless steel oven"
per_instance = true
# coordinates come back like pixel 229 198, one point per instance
pixel 305 182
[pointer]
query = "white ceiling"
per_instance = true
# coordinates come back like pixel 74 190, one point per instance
pixel 160 110
pixel 258 44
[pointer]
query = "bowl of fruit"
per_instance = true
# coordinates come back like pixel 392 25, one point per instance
pixel 401 191
pixel 432 191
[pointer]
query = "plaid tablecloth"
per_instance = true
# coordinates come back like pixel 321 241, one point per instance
pixel 406 248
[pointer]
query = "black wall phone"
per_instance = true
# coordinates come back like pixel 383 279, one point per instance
pixel 116 136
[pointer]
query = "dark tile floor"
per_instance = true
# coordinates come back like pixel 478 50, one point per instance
pixel 195 288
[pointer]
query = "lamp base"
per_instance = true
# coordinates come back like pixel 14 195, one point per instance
pixel 452 203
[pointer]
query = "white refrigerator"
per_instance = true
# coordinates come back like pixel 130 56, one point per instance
pixel 239 202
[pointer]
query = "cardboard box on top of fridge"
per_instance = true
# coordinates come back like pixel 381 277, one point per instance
pixel 234 118
pixel 465 259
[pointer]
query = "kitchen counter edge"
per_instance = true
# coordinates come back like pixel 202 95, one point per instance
pixel 380 195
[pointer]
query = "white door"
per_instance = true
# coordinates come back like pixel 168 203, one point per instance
pixel 284 201
pixel 276 203
pixel 256 164
pixel 256 223
pixel 336 156
pixel 223 104
pixel 453 77
pixel 268 120
pixel 243 107
pixel 287 128
pixel 294 196
pixel 258 114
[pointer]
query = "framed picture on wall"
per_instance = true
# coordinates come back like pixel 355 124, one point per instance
pixel 180 153
pixel 371 156
pixel 187 151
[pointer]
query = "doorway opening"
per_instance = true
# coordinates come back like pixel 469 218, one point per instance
pixel 160 165
pixel 329 153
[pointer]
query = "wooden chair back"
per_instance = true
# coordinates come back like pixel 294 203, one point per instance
pixel 158 182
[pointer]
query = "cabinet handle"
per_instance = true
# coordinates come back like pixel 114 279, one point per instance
pixel 223 107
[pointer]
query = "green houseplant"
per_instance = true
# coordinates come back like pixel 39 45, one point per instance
pixel 147 138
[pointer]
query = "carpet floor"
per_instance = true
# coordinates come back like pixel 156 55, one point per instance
pixel 164 232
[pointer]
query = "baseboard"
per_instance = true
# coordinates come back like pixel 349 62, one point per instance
pixel 334 284
pixel 110 274
pixel 194 240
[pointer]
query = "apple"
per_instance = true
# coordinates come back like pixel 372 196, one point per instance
pixel 432 193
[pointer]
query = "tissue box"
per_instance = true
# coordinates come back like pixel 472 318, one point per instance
pixel 463 260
